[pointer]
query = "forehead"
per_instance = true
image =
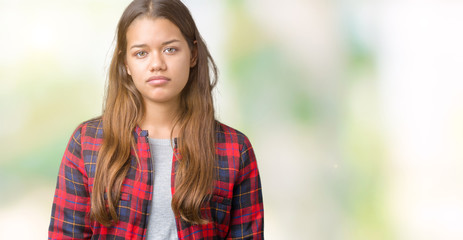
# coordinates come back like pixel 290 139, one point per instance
pixel 152 31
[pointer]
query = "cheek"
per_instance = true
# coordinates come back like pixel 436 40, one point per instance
pixel 184 69
pixel 135 69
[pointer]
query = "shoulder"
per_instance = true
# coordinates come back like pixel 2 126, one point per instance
pixel 231 137
pixel 94 123
pixel 90 129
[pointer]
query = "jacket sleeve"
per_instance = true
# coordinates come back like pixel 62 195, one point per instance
pixel 71 203
pixel 247 213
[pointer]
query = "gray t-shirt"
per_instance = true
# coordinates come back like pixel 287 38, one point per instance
pixel 161 223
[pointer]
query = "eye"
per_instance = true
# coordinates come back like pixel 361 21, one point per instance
pixel 170 50
pixel 141 54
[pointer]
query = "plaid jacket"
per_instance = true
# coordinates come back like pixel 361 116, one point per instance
pixel 236 206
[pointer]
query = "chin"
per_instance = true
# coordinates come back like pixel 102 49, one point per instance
pixel 160 100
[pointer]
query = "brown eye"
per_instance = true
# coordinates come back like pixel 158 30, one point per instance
pixel 170 50
pixel 141 54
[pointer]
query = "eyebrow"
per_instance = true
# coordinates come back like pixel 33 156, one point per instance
pixel 170 41
pixel 163 44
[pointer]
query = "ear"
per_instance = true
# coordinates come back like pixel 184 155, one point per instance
pixel 125 64
pixel 194 54
pixel 127 68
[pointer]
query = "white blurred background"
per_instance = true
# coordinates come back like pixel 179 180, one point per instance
pixel 354 108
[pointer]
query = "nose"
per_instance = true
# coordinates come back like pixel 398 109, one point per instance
pixel 157 62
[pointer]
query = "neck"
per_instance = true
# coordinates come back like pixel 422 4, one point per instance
pixel 159 119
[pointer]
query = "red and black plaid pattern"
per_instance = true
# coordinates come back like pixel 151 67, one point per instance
pixel 235 207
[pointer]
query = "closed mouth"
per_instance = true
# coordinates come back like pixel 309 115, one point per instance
pixel 158 79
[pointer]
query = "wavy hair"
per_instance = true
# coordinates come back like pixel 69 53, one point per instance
pixel 124 108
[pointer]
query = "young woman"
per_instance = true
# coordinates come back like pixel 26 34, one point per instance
pixel 156 164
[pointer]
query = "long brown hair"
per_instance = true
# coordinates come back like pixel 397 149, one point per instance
pixel 124 108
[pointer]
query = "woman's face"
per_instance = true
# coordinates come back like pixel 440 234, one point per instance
pixel 158 59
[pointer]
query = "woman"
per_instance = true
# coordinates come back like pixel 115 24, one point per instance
pixel 156 164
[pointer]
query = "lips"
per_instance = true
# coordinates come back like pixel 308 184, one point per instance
pixel 158 80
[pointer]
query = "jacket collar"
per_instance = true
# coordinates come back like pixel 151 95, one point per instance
pixel 140 132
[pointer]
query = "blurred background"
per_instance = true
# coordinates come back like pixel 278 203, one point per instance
pixel 354 108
